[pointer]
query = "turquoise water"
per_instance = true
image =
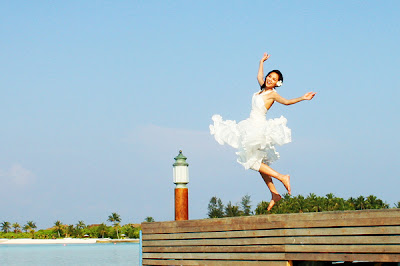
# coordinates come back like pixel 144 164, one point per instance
pixel 70 254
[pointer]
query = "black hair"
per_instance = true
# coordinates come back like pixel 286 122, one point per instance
pixel 277 72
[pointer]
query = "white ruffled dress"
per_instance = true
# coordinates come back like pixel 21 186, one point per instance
pixel 254 138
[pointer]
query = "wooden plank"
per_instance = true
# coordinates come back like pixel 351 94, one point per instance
pixel 277 241
pixel 215 262
pixel 371 249
pixel 216 249
pixel 277 256
pixel 216 256
pixel 343 257
pixel 299 216
pixel 387 213
pixel 275 225
pixel 372 230
pixel 280 248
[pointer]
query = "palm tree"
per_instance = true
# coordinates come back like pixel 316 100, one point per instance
pixel 69 230
pixel 351 203
pixel 302 204
pixel 5 226
pixel 25 228
pixel 330 202
pixel 373 202
pixel 115 219
pixel 232 210
pixel 286 205
pixel 17 227
pixel 313 203
pixel 80 225
pixel 58 227
pixel 360 203
pixel 31 226
pixel 340 204
pixel 102 229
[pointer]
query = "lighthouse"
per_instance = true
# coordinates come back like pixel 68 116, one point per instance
pixel 181 179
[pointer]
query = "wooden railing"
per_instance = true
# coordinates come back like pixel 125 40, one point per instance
pixel 279 239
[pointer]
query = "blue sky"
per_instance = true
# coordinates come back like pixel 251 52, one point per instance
pixel 98 97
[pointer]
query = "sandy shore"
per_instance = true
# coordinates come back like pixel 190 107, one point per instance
pixel 108 240
pixel 26 241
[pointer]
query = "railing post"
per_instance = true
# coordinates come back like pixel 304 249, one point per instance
pixel 140 248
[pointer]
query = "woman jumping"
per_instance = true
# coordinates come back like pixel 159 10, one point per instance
pixel 255 138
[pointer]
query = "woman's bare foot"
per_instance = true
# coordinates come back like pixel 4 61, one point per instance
pixel 285 179
pixel 275 199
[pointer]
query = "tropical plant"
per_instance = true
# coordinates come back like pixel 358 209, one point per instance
pixel 350 204
pixel 149 219
pixel 80 225
pixel 245 205
pixel 45 234
pixel 5 227
pixel 31 224
pixel 232 210
pixel 102 229
pixel 25 228
pixel 215 208
pixel 372 202
pixel 262 208
pixel 17 227
pixel 130 231
pixel 329 201
pixel 58 228
pixel 91 231
pixel 79 228
pixel 69 230
pixel 360 203
pixel 115 219
pixel 313 203
pixel 31 228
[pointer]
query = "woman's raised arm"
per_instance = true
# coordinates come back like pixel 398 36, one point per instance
pixel 260 75
pixel 276 97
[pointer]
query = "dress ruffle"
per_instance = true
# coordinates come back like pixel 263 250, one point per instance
pixel 254 139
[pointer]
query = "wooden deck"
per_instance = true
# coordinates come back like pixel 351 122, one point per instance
pixel 369 235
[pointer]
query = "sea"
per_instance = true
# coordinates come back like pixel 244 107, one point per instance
pixel 70 254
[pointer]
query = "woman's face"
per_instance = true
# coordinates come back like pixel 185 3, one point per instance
pixel 271 80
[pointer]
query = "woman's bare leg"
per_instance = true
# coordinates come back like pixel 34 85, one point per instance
pixel 275 195
pixel 285 179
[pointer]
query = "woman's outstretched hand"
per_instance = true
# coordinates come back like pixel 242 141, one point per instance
pixel 309 95
pixel 265 57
